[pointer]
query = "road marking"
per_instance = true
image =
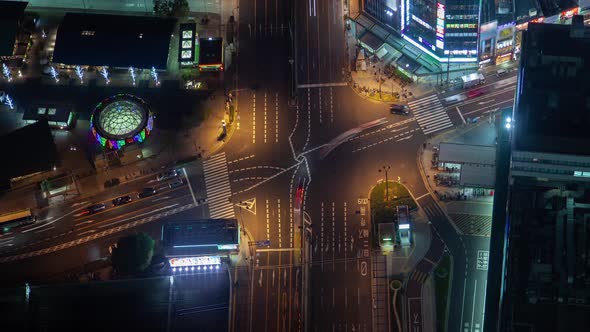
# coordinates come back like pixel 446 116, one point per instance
pixel 331 106
pixel 463 303
pixel 320 104
pixel 249 205
pixel 345 238
pixel 218 187
pixel 267 222
pixel 363 268
pixel 162 198
pixel 240 159
pixel 277 118
pixel 322 237
pixel 333 236
pixel 85 222
pixel 461 115
pixel 253 118
pixel 138 215
pixel 86 232
pixel 264 117
pixel 321 85
pixel 345 297
pixel 279 222
pixel 473 308
pixel 417 198
pixel 189 186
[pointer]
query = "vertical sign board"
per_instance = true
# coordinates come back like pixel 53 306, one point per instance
pixel 186 50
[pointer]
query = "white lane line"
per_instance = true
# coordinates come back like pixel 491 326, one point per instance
pixel 138 215
pixel 189 185
pixel 277 119
pixel 461 115
pixel 165 197
pixel 265 118
pixel 321 85
pixel 463 303
pixel 44 230
pixel 473 308
pixel 417 198
pixel 87 232
pixel 254 118
pixel 85 222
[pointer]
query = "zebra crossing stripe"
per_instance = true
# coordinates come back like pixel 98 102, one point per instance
pixel 218 187
pixel 430 114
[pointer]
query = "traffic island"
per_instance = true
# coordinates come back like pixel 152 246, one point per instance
pixel 385 198
pixel 442 283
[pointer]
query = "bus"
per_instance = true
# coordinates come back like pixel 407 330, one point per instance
pixel 15 219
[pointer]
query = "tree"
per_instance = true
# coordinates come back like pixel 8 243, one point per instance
pixel 162 7
pixel 133 253
pixel 179 8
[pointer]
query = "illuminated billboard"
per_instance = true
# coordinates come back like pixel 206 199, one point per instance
pixel 440 25
pixel 194 261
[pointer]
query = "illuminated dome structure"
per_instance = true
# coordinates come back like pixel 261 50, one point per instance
pixel 121 119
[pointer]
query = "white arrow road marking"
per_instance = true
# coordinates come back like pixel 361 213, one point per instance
pixel 400 129
pixel 485 102
pixel 160 199
pixel 85 222
pixel 405 138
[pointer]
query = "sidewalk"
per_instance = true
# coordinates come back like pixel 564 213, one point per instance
pixel 469 211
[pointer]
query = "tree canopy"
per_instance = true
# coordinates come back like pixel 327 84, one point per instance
pixel 133 253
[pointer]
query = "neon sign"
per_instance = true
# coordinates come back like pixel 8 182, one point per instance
pixel 440 25
pixel 194 261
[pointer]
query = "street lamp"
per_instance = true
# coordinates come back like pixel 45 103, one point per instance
pixel 384 169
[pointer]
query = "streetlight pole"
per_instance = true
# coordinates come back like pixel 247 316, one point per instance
pixel 385 168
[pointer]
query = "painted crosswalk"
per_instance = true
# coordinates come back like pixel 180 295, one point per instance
pixel 430 114
pixel 218 188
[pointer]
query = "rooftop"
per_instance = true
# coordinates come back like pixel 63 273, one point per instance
pixel 31 149
pixel 10 13
pixel 552 111
pixel 113 40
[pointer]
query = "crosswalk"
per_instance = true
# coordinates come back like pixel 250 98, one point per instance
pixel 430 114
pixel 217 186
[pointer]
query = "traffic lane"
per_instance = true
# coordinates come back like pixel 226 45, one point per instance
pixel 56 218
pixel 339 300
pixel 486 102
pixel 80 231
pixel 308 41
pixel 492 81
pixel 473 302
pixel 54 266
pixel 264 283
pixel 331 41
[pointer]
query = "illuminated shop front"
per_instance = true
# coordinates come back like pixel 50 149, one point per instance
pixel 505 42
pixel 120 120
pixel 446 30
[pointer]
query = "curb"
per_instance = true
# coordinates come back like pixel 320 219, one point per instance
pixel 429 188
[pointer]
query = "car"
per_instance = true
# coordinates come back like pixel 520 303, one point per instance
pixel 501 72
pixel 399 109
pixel 475 93
pixel 94 208
pixel 146 192
pixel 122 200
pixel 2 96
pixel 175 184
pixel 167 175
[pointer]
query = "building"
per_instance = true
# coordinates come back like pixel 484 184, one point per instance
pixel 58 116
pixel 121 120
pixel 15 35
pixel 32 151
pixel 539 269
pixel 470 166
pixel 210 54
pixel 200 243
pixel 115 41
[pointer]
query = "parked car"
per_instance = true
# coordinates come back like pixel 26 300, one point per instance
pixel 2 96
pixel 399 109
pixel 167 175
pixel 175 184
pixel 121 200
pixel 147 192
pixel 94 208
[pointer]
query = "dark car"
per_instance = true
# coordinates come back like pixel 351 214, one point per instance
pixel 167 175
pixel 399 109
pixel 175 184
pixel 94 208
pixel 121 200
pixel 147 192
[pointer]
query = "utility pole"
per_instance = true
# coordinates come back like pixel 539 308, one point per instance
pixel 384 169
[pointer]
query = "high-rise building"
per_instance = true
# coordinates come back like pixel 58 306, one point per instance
pixel 539 273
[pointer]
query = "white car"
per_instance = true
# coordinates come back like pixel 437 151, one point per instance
pixel 2 96
pixel 167 175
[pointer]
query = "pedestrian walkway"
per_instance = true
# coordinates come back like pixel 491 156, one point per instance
pixel 430 114
pixel 217 185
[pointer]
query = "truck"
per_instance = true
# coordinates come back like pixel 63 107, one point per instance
pixel 472 80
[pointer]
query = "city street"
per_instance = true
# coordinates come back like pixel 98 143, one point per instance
pixel 296 171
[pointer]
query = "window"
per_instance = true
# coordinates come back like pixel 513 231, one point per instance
pixel 51 111
pixel 186 54
pixel 187 44
pixel 187 34
pixel 41 110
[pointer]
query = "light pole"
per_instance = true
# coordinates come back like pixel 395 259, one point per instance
pixel 384 169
